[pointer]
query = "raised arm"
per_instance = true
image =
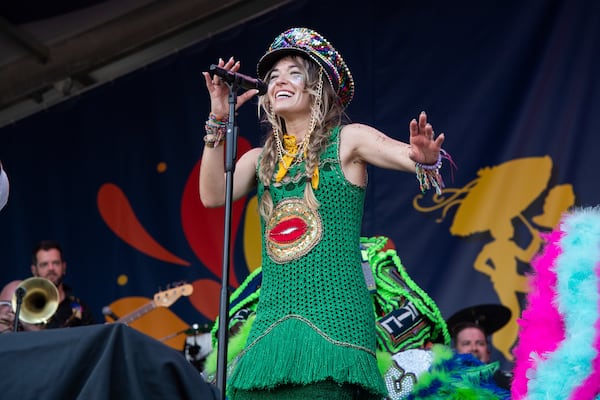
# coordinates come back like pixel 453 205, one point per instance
pixel 212 169
pixel 363 143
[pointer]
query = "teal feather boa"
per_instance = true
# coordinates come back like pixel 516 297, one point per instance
pixel 561 374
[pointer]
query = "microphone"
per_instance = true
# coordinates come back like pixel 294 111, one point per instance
pixel 243 81
pixel 108 312
pixel 20 292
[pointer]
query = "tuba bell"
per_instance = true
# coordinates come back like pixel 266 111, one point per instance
pixel 40 301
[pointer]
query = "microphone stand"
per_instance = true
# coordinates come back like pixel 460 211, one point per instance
pixel 19 293
pixel 230 153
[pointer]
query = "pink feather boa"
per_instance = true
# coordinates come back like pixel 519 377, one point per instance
pixel 541 325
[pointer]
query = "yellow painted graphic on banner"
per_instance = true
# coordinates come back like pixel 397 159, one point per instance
pixel 498 202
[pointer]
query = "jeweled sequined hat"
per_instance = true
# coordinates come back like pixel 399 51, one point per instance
pixel 309 43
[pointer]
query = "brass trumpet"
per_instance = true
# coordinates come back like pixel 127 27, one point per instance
pixel 40 301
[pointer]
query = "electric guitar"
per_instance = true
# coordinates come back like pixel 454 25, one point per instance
pixel 163 298
pixel 153 316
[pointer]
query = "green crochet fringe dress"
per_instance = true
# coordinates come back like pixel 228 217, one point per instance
pixel 314 335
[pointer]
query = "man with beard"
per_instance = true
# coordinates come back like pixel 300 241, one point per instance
pixel 470 329
pixel 47 262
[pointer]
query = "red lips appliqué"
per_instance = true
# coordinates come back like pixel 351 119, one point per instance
pixel 293 230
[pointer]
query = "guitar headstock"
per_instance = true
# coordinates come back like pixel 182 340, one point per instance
pixel 167 297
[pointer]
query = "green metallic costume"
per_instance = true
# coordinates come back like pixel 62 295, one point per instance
pixel 315 327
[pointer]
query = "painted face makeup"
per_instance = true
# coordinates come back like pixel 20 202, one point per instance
pixel 287 88
pixel 289 71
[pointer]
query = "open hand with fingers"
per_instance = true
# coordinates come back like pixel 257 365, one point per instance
pixel 425 147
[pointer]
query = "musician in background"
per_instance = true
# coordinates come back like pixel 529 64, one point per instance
pixel 7 315
pixel 470 329
pixel 47 262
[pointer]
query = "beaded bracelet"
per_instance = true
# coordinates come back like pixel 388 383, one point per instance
pixel 220 130
pixel 429 175
pixel 216 130
pixel 213 140
pixel 212 118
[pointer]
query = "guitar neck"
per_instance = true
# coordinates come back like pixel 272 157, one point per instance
pixel 132 316
pixel 161 299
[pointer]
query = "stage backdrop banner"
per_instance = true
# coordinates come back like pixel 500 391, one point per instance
pixel 112 173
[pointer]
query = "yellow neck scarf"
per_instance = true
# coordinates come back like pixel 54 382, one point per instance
pixel 287 159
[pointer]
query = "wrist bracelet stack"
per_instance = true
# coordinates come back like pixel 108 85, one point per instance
pixel 429 175
pixel 216 130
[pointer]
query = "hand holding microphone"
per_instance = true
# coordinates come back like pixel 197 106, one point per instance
pixel 241 80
